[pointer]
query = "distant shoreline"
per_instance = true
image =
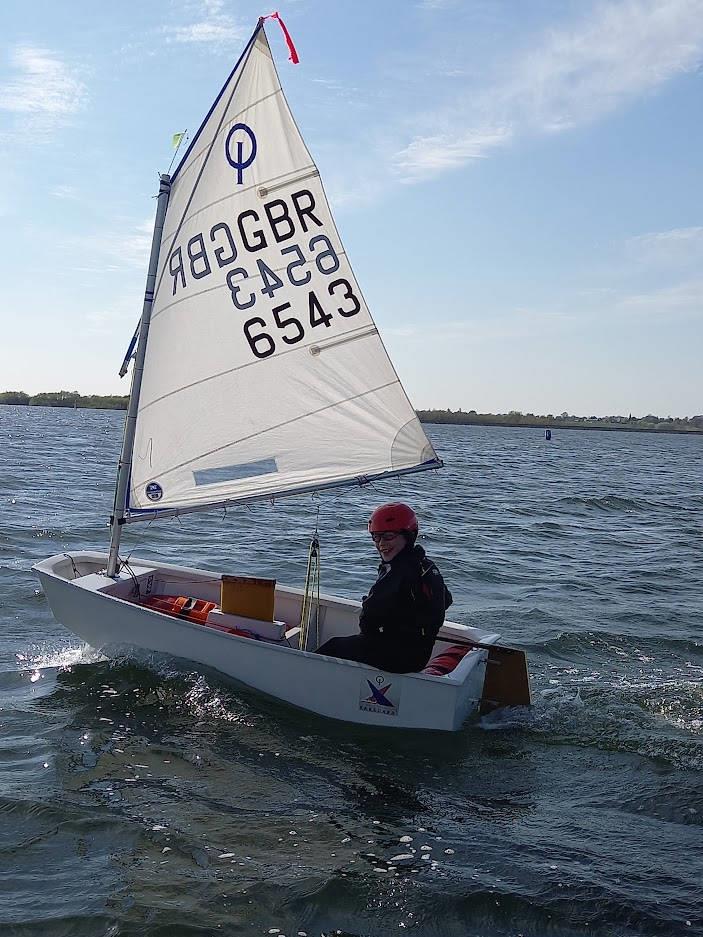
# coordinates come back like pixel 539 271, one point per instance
pixel 605 427
pixel 647 424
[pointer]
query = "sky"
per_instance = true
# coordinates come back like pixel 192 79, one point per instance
pixel 517 183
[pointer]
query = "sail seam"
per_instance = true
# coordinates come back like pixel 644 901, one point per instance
pixel 309 172
pixel 219 286
pixel 207 157
pixel 249 46
pixel 196 156
pixel 270 429
pixel 240 367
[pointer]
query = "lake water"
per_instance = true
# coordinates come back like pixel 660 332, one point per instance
pixel 149 800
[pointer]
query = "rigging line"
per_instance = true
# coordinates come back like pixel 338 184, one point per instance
pixel 207 157
pixel 247 364
pixel 270 429
pixel 173 158
pixel 76 574
pixel 125 565
pixel 138 515
pixel 312 584
pixel 316 586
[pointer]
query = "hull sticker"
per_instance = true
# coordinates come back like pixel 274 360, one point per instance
pixel 379 696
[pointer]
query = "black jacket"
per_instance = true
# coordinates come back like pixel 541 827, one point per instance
pixel 406 604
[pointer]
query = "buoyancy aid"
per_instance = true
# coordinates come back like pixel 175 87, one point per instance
pixel 408 600
pixel 183 606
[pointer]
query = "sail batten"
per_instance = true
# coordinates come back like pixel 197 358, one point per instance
pixel 264 374
pixel 283 180
pixel 313 349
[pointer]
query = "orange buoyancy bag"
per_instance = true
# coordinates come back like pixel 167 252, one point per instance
pixel 445 662
pixel 182 606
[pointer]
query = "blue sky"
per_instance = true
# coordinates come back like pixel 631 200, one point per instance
pixel 517 184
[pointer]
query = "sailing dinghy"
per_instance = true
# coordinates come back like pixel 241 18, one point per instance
pixel 259 373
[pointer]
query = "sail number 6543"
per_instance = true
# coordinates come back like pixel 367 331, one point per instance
pixel 262 343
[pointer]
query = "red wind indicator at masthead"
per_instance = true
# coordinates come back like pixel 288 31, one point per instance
pixel 293 55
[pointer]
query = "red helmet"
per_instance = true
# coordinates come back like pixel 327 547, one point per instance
pixel 394 517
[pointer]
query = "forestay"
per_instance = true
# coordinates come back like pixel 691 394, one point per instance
pixel 264 372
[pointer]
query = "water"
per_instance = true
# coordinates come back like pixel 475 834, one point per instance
pixel 142 799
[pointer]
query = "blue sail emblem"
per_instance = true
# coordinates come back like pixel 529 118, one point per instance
pixel 240 149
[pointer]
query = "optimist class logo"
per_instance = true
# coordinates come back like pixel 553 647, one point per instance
pixel 380 700
pixel 240 139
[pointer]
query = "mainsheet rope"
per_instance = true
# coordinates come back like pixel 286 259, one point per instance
pixel 311 594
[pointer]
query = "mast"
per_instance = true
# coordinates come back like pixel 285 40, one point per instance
pixel 125 463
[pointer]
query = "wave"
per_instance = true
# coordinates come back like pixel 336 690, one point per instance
pixel 655 715
pixel 608 503
pixel 627 643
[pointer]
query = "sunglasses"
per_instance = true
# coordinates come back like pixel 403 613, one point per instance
pixel 385 537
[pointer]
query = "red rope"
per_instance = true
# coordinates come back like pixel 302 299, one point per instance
pixel 293 56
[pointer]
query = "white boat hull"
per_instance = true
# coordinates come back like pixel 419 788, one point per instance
pixel 104 613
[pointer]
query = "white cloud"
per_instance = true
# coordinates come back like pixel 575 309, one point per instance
pixel 511 324
pixel 105 252
pixel 131 250
pixel 115 318
pixel 213 27
pixel 429 155
pixel 676 247
pixel 681 300
pixel 620 51
pixel 44 92
pixel 65 192
pixel 570 76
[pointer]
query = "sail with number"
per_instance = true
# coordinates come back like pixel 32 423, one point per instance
pixel 264 373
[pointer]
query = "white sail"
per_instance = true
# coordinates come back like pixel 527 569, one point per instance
pixel 264 373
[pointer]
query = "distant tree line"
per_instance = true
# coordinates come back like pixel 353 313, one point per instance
pixel 649 423
pixel 63 398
